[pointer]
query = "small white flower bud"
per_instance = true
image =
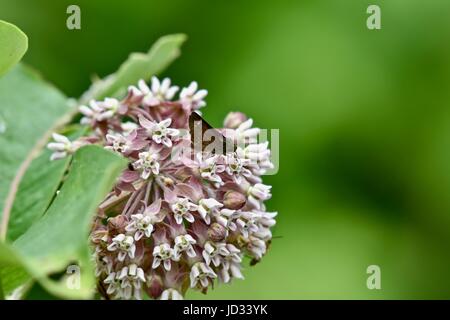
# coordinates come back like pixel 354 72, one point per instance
pixel 234 120
pixel 217 232
pixel 234 200
pixel 154 286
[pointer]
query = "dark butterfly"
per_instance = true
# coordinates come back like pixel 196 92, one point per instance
pixel 207 139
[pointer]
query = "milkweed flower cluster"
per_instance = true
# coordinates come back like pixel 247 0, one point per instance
pixel 174 220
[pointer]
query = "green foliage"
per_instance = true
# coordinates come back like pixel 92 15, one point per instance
pixel 38 187
pixel 13 44
pixel 60 237
pixel 29 107
pixel 138 66
pixel 35 193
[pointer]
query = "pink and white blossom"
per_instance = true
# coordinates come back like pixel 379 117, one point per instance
pixel 175 216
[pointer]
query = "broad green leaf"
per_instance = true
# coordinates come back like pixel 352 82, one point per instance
pixel 138 66
pixel 60 237
pixel 38 187
pixel 29 107
pixel 35 193
pixel 12 273
pixel 13 45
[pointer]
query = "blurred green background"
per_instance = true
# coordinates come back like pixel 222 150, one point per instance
pixel 364 119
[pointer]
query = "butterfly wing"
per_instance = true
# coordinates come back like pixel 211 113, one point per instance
pixel 207 139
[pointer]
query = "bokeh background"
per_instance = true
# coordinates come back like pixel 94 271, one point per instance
pixel 364 119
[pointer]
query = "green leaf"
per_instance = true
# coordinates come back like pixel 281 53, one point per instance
pixel 12 273
pixel 38 187
pixel 13 44
pixel 35 193
pixel 138 66
pixel 29 108
pixel 60 237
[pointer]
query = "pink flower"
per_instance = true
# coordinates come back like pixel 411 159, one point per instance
pixel 159 92
pixel 172 218
pixel 192 99
pixel 160 132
